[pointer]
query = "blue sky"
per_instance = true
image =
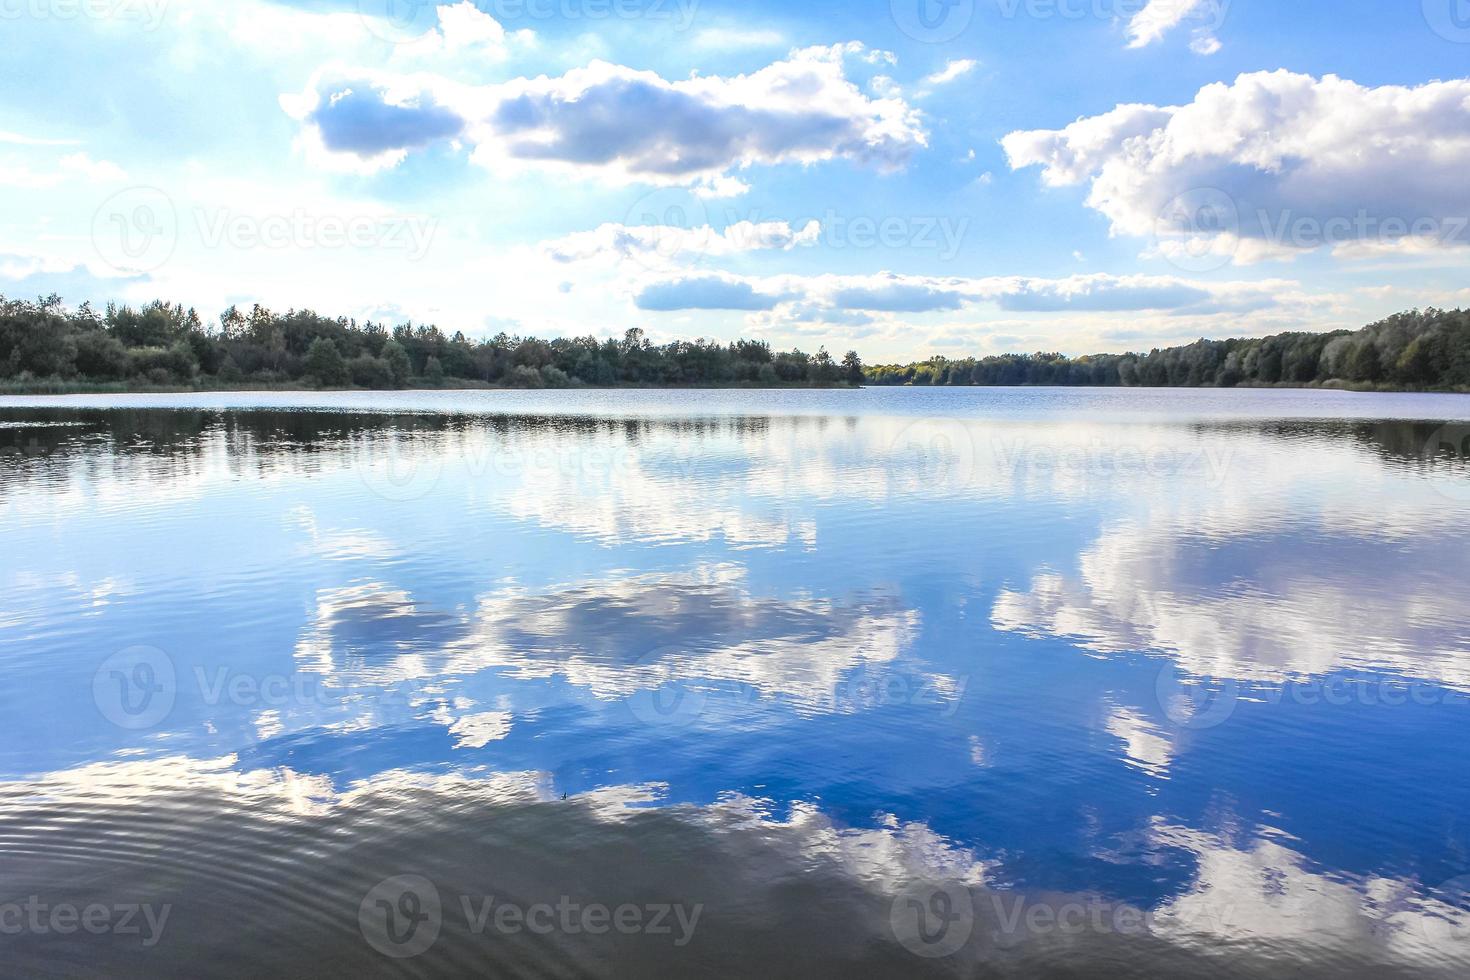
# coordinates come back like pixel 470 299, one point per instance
pixel 907 177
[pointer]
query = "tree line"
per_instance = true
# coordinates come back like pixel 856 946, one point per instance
pixel 1417 350
pixel 166 345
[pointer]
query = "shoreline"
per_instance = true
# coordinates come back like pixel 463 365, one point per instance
pixel 64 388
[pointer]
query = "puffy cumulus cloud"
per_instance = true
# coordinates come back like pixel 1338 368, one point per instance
pixel 1218 573
pixel 893 294
pixel 823 298
pixel 619 123
pixel 1273 164
pixel 655 243
pixel 1102 294
pixel 360 118
pixel 705 292
pixel 465 29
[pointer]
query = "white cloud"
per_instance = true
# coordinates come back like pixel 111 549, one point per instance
pixel 464 29
pixel 1272 164
pixel 1205 44
pixel 652 243
pixel 1160 17
pixel 96 171
pixel 72 166
pixel 952 71
pixel 885 87
pixel 728 38
pixel 808 298
pixel 615 122
pixel 21 139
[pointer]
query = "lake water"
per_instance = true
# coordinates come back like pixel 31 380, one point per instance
pixel 849 683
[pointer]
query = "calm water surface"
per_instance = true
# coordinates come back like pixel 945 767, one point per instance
pixel 951 682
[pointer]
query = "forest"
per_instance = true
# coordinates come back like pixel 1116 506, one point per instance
pixel 1418 350
pixel 45 345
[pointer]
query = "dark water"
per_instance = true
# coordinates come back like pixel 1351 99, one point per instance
pixel 955 683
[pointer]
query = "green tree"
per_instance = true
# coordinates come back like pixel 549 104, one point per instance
pixel 400 368
pixel 324 363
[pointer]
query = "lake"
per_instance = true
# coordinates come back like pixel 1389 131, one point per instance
pixel 898 682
